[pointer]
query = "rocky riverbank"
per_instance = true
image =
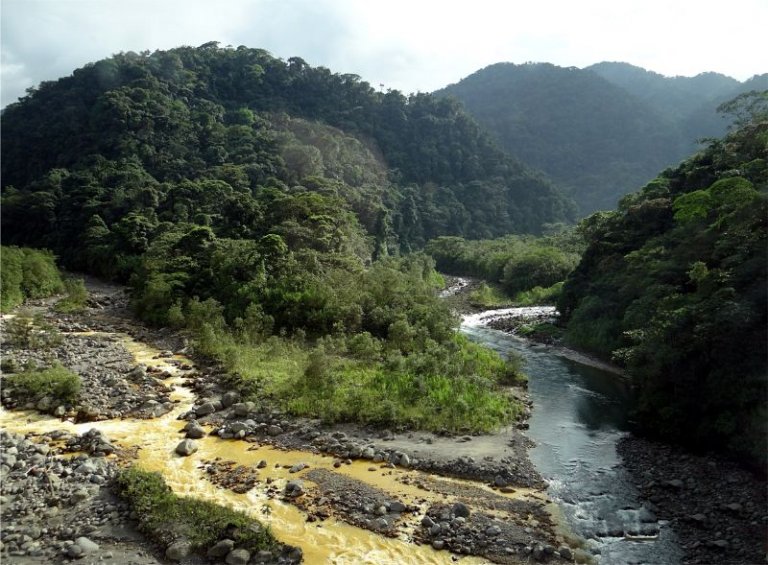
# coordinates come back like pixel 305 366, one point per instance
pixel 57 509
pixel 718 510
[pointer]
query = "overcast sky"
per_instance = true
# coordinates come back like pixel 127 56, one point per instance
pixel 411 45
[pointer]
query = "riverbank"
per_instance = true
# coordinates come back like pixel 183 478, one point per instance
pixel 718 509
pixel 496 464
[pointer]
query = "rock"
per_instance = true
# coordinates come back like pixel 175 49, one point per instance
pixel 294 489
pixel 700 518
pixel 261 464
pixel 186 447
pixel 274 430
pixel 397 506
pixel 238 557
pixel 178 550
pixel 427 522
pixel 229 398
pixel 493 530
pixel 243 408
pixel 438 544
pixel 87 545
pixel 459 509
pixel 565 552
pixel 298 467
pixel 205 409
pixel 222 548
pixel 194 430
pixel 720 544
pixel 404 460
pixel 368 453
pixel 675 484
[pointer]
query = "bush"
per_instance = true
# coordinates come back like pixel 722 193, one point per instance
pixel 76 296
pixel 26 273
pixel 56 381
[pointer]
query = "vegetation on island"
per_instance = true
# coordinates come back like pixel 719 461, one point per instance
pixel 265 207
pixel 168 518
pixel 673 286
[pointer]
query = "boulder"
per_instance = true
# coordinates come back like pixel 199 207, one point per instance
pixel 205 408
pixel 459 509
pixel 221 548
pixel 186 447
pixel 194 430
pixel 238 557
pixel 87 545
pixel 178 550
pixel 229 398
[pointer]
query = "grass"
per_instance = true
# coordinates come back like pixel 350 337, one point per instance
pixel 166 517
pixel 454 388
pixel 489 296
pixel 538 296
pixel 57 382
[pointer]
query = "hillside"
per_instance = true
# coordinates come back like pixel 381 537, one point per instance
pixel 411 167
pixel 672 285
pixel 599 132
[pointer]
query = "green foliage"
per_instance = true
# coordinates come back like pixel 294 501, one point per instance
pixel 56 382
pixel 26 273
pixel 539 295
pixel 672 286
pixel 31 332
pixel 166 517
pixel 76 298
pixel 488 296
pixel 518 263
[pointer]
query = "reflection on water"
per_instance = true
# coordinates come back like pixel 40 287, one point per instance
pixel 580 413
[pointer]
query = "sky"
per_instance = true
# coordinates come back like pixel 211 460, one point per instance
pixel 409 45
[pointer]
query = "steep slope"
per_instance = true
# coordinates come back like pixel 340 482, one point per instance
pixel 672 285
pixel 590 136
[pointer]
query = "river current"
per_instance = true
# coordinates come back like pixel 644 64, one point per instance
pixel 579 415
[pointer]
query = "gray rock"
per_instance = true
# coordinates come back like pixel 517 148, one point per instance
pixel 427 522
pixel 565 552
pixel 675 484
pixel 205 409
pixel 178 550
pixel 229 398
pixel 438 544
pixel 460 509
pixel 368 453
pixel 194 430
pixel 87 545
pixel 397 506
pixel 222 548
pixel 186 447
pixel 404 460
pixel 238 557
pixel 720 544
pixel 274 430
pixel 298 467
pixel 492 530
pixel 294 489
pixel 243 408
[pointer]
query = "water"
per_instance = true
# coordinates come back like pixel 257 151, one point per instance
pixel 580 413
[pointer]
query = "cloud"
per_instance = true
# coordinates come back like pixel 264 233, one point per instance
pixel 406 44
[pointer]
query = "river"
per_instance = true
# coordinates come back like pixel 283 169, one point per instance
pixel 579 414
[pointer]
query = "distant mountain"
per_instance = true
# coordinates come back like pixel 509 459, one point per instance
pixel 599 132
pixel 691 102
pixel 591 136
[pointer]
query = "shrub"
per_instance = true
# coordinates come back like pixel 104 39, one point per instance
pixel 76 296
pixel 56 381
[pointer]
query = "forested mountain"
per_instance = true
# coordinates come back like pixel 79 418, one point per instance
pixel 130 132
pixel 673 286
pixel 598 132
